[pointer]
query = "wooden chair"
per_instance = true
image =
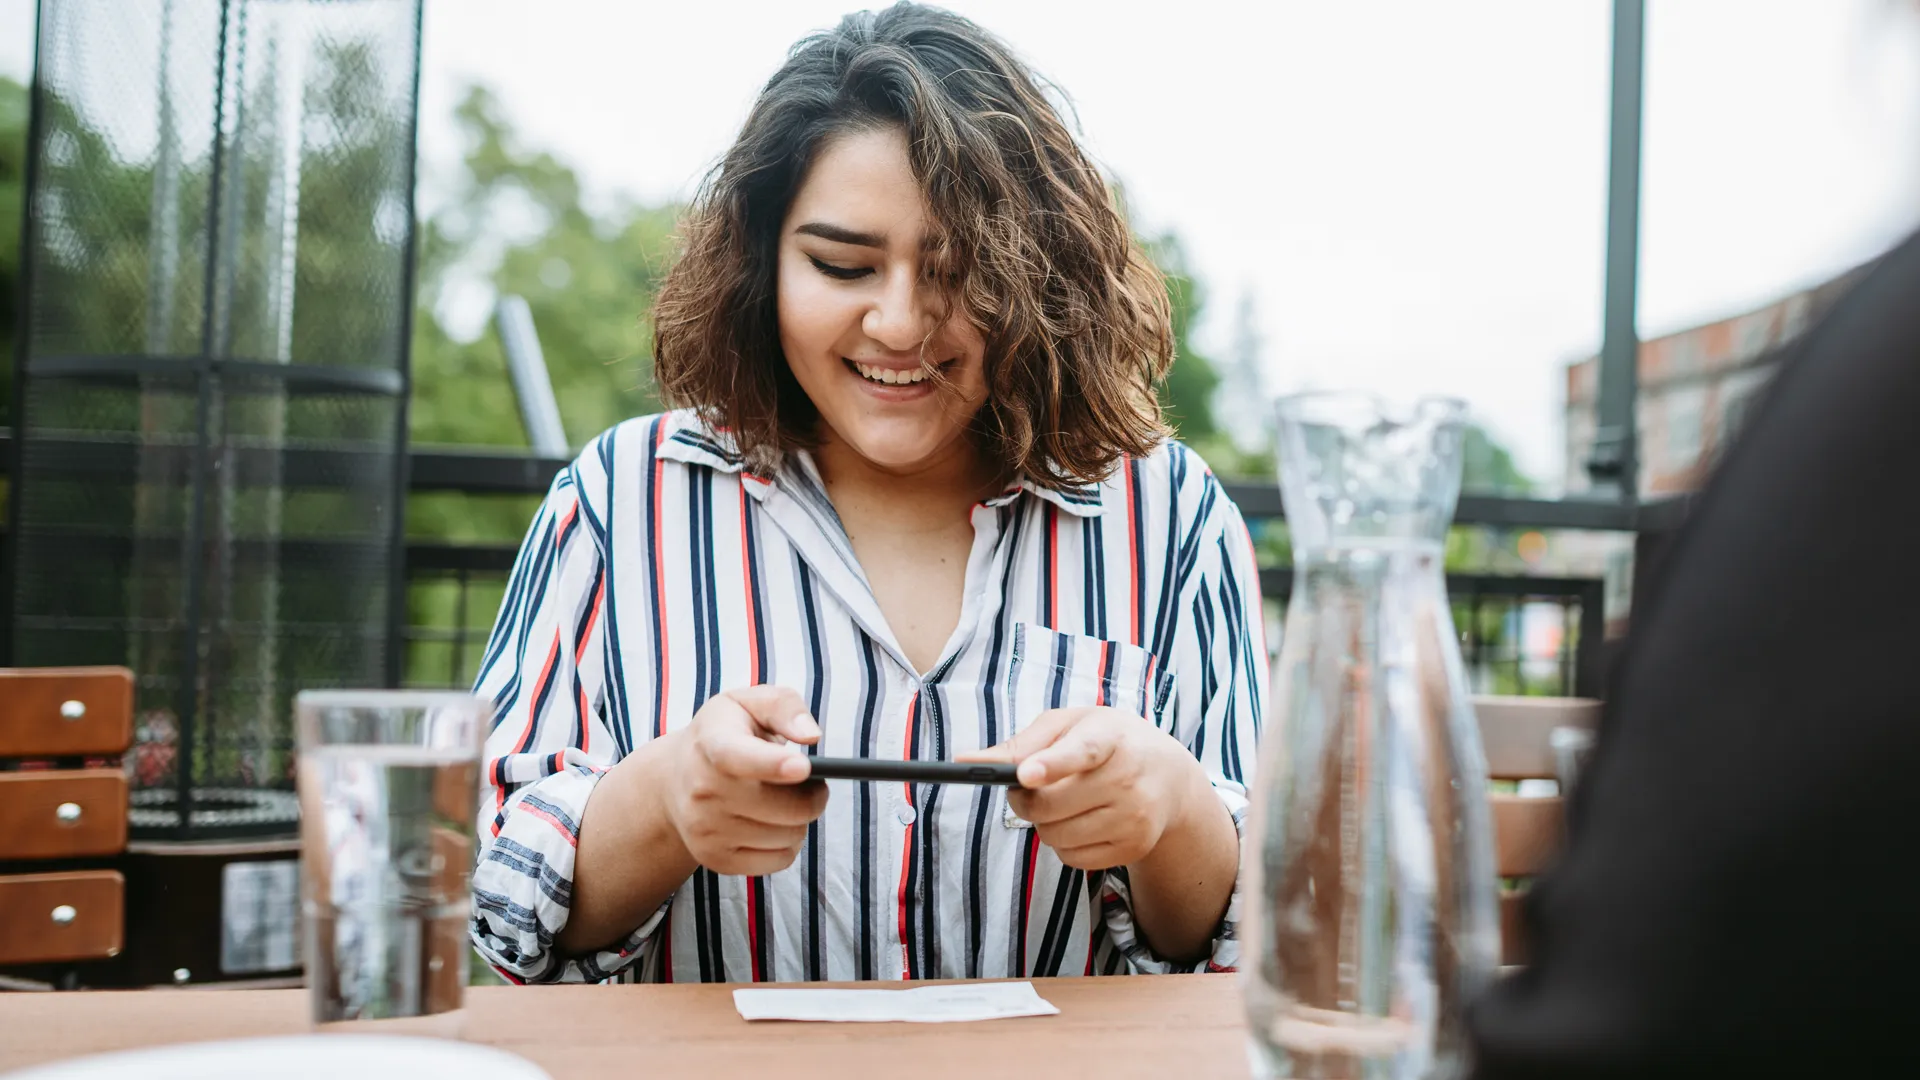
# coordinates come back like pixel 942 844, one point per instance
pixel 63 812
pixel 1518 734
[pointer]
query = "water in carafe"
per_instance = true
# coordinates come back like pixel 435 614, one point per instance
pixel 1370 875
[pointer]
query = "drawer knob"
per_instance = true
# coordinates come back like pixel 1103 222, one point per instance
pixel 64 914
pixel 67 812
pixel 73 710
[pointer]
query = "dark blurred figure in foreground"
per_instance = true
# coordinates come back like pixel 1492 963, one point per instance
pixel 1740 894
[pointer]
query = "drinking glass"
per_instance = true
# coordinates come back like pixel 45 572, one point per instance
pixel 388 787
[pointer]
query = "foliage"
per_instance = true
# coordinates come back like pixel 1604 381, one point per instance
pixel 1187 393
pixel 517 222
pixel 294 567
pixel 589 279
pixel 1488 468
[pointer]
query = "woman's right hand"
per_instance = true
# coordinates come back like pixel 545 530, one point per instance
pixel 738 796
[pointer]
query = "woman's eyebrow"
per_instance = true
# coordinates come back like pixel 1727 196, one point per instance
pixel 840 235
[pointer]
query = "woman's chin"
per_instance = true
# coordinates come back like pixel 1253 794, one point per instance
pixel 905 451
pixel 895 457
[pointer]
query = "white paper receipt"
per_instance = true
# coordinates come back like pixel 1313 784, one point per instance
pixel 944 1004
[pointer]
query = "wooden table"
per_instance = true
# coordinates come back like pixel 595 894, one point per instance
pixel 1184 1026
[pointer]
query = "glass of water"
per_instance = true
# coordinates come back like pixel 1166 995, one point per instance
pixel 388 787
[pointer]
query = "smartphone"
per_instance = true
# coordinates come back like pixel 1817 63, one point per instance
pixel 992 774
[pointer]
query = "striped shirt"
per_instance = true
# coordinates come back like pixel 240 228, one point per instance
pixel 659 572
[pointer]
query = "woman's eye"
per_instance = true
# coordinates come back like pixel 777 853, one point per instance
pixel 843 273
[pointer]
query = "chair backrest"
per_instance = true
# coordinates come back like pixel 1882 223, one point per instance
pixel 1518 735
pixel 63 810
pixel 65 712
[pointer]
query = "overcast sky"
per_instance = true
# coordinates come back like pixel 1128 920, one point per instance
pixel 1411 192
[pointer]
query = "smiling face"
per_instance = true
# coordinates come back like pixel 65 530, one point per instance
pixel 859 318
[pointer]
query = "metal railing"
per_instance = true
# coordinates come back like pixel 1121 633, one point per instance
pixel 454 589
pixel 1519 634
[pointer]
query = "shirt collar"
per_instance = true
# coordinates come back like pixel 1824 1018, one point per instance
pixel 689 439
pixel 1078 501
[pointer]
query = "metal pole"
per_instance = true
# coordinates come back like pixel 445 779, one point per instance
pixel 1614 466
pixel 532 383
pixel 23 343
pixel 212 338
pixel 397 527
pixel 1590 656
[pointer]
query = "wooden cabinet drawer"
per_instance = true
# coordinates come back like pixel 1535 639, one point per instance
pixel 65 712
pixel 71 916
pixel 62 814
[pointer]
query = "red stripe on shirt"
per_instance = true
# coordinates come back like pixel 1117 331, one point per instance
pixel 906 845
pixel 559 825
pixel 906 860
pixel 540 686
pixel 579 653
pixel 666 948
pixel 1026 904
pixel 752 636
pixel 1106 677
pixel 1133 556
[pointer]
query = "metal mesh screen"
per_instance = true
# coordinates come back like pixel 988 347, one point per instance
pixel 212 408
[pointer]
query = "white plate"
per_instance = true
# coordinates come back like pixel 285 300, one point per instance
pixel 296 1057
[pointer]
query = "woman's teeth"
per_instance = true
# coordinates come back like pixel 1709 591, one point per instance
pixel 889 376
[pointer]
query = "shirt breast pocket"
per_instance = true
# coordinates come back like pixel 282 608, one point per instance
pixel 1053 670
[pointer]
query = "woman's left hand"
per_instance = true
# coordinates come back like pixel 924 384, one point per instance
pixel 1100 786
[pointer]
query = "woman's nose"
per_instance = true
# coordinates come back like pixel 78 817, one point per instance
pixel 899 318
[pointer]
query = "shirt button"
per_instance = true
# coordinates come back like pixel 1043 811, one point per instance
pixel 904 814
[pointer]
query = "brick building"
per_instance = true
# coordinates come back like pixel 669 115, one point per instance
pixel 1696 388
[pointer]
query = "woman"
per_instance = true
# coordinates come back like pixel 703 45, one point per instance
pixel 919 504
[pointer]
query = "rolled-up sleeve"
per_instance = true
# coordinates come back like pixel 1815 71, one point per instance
pixel 1220 667
pixel 544 672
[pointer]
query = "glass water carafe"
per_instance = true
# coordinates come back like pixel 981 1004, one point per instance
pixel 1370 858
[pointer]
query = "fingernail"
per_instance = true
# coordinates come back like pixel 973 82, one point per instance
pixel 808 724
pixel 1032 773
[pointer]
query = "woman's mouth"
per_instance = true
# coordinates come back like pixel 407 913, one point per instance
pixel 887 376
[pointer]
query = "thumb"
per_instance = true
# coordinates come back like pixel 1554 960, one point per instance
pixel 1045 730
pixel 799 727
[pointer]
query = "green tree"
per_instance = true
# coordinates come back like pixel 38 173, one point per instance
pixel 1187 392
pixel 588 278
pixel 1488 468
pixel 125 241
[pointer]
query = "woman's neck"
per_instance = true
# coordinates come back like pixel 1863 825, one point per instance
pixel 956 478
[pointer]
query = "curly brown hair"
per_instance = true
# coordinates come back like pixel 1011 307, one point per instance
pixel 1025 237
